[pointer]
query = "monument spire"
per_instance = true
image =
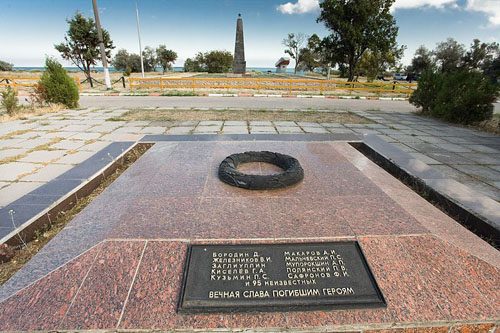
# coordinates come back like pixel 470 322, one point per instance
pixel 239 63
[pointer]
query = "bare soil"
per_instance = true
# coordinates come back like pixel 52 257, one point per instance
pixel 248 115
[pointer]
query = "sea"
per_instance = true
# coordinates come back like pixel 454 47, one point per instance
pixel 176 69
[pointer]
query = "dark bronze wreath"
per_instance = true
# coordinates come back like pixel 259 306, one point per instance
pixel 292 171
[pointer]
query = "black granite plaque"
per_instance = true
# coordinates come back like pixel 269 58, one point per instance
pixel 269 277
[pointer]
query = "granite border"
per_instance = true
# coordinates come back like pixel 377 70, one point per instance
pixel 41 205
pixel 477 212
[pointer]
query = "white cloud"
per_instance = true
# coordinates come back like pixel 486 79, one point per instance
pixel 404 4
pixel 490 7
pixel 300 7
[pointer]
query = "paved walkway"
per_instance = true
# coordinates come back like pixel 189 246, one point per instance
pixel 35 151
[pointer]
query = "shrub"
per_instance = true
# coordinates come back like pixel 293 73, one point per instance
pixel 9 100
pixel 59 87
pixel 5 66
pixel 37 96
pixel 462 97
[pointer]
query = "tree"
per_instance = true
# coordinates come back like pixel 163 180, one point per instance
pixel 192 65
pixel 124 60
pixel 294 44
pixel 5 66
pixel 357 26
pixel 374 63
pixel 479 54
pixel 422 61
pixel 150 59
pixel 311 57
pixel 449 55
pixel 212 62
pixel 491 69
pixel 81 43
pixel 218 61
pixel 165 57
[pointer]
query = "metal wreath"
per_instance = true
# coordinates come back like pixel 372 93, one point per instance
pixel 292 171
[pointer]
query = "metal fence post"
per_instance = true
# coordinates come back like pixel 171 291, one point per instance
pixel 123 81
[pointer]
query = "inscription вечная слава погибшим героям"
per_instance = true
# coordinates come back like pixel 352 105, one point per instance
pixel 277 276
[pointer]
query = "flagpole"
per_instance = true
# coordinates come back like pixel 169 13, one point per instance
pixel 139 35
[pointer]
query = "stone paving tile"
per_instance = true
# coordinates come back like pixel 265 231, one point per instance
pixel 486 189
pixel 479 158
pixel 261 123
pixel 340 131
pixel 319 130
pixel 153 130
pixel 483 149
pixel 188 123
pixel 28 135
pixel 289 129
pixel 308 124
pixel 43 156
pixel 5 153
pixel 424 158
pixel 53 135
pixel 366 131
pixel 215 123
pixel 127 129
pixel 263 130
pixel 108 127
pixel 235 130
pixel 95 146
pixel 3 184
pixel 332 125
pixel 77 157
pixel 479 171
pixel 86 136
pixel 235 123
pixel 68 144
pixel 16 190
pixel 206 129
pixel 49 172
pixel 284 123
pixel 12 171
pixel 180 130
pixel 76 128
pixel 453 147
pixel 11 143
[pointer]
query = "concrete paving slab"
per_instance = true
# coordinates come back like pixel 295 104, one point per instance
pixel 180 130
pixel 153 130
pixel 58 134
pixel 453 147
pixel 308 124
pixel 11 143
pixel 261 123
pixel 210 123
pixel 76 128
pixel 284 123
pixel 95 146
pixel 14 191
pixel 332 125
pixel 235 130
pixel 319 130
pixel 128 129
pixel 68 144
pixel 77 157
pixel 43 156
pixel 188 123
pixel 424 158
pixel 107 127
pixel 334 130
pixel 235 123
pixel 12 171
pixel 86 136
pixel 206 129
pixel 479 171
pixel 289 129
pixel 49 172
pixel 6 153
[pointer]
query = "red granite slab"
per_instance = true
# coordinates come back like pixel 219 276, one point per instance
pixel 234 218
pixel 407 299
pixel 436 265
pixel 100 300
pixel 153 299
pixel 42 305
pixel 159 218
pixel 377 215
pixel 308 218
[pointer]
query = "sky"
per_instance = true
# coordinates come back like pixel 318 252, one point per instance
pixel 30 28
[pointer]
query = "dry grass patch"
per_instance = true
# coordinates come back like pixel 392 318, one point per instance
pixel 42 237
pixel 248 115
pixel 24 112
